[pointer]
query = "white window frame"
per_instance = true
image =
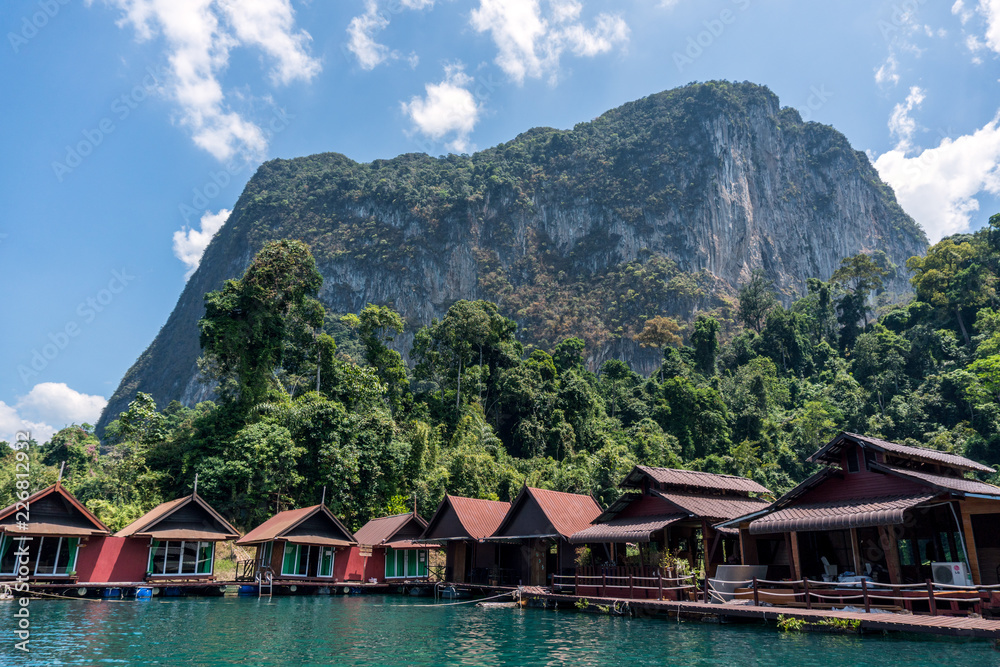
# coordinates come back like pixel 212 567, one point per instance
pixel 59 547
pixel 298 559
pixel 319 562
pixel 180 562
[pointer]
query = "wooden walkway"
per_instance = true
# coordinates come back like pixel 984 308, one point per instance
pixel 955 626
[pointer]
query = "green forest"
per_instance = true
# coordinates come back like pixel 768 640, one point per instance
pixel 307 399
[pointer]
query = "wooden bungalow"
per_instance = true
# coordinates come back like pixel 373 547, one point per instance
pixel 461 526
pixel 540 523
pixel 396 550
pixel 669 511
pixel 303 545
pixel 171 542
pixel 882 510
pixel 41 538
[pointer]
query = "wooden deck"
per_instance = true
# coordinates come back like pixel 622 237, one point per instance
pixel 955 626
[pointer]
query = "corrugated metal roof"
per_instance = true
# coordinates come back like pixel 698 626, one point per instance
pixel 146 524
pixel 958 484
pixel 282 522
pixel 693 479
pixel 713 506
pixel 479 517
pixel 45 528
pixel 838 514
pixel 632 529
pixel 831 452
pixel 410 544
pixel 380 530
pixel 50 528
pixel 569 513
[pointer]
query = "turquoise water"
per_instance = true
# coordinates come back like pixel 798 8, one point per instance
pixel 395 630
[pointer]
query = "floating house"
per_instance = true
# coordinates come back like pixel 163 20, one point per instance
pixel 673 512
pixel 46 537
pixel 396 550
pixel 540 523
pixel 307 545
pixel 461 525
pixel 174 541
pixel 882 510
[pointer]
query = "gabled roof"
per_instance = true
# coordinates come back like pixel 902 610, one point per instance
pixel 693 480
pixel 383 530
pixel 565 513
pixel 84 524
pixel 712 506
pixel 157 524
pixel 831 451
pixel 282 526
pixel 941 482
pixel 478 518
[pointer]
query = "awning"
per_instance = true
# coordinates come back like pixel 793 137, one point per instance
pixel 408 544
pixel 189 534
pixel 318 540
pixel 837 514
pixel 53 529
pixel 631 529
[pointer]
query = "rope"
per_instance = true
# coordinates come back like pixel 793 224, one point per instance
pixel 449 604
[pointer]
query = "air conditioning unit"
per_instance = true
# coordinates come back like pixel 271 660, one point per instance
pixel 954 574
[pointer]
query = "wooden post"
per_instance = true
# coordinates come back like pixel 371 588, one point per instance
pixel 864 592
pixel 792 543
pixel 631 586
pixel 576 583
pixel 888 543
pixel 930 598
pixel 604 583
pixel 970 543
pixel 756 596
pixel 805 588
pixel 704 587
pixel 659 576
pixel 856 549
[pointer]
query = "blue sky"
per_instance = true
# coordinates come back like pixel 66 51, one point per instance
pixel 132 125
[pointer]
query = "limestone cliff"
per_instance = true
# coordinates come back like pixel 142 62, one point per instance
pixel 661 206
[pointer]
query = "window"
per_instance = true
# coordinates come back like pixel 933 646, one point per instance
pixel 8 561
pixel 325 562
pixel 172 558
pixel 405 563
pixel 264 552
pixel 852 460
pixel 296 560
pixel 56 556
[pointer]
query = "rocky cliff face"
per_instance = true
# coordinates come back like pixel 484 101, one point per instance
pixel 662 206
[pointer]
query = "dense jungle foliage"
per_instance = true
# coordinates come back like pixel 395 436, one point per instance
pixel 308 400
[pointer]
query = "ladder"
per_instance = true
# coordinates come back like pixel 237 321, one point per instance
pixel 265 578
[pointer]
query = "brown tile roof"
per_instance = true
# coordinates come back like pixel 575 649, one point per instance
pixel 958 484
pixel 693 479
pixel 480 518
pixel 830 452
pixel 713 506
pixel 838 514
pixel 569 513
pixel 278 525
pixel 632 529
pixel 381 530
pixel 146 524
pixel 59 527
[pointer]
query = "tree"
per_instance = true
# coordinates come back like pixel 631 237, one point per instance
pixel 706 344
pixel 377 326
pixel 860 276
pixel 261 327
pixel 659 332
pixel 756 299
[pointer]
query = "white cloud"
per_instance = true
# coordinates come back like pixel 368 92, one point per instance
pixel 361 33
pixel 190 244
pixel 938 186
pixel 530 44
pixel 889 71
pixel 901 123
pixel 990 9
pixel 961 11
pixel 199 36
pixel 448 108
pixel 48 407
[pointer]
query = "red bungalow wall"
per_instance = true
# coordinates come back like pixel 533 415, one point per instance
pixel 113 559
pixel 348 565
pixel 861 484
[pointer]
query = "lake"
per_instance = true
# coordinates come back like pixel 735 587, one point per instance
pixel 396 630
